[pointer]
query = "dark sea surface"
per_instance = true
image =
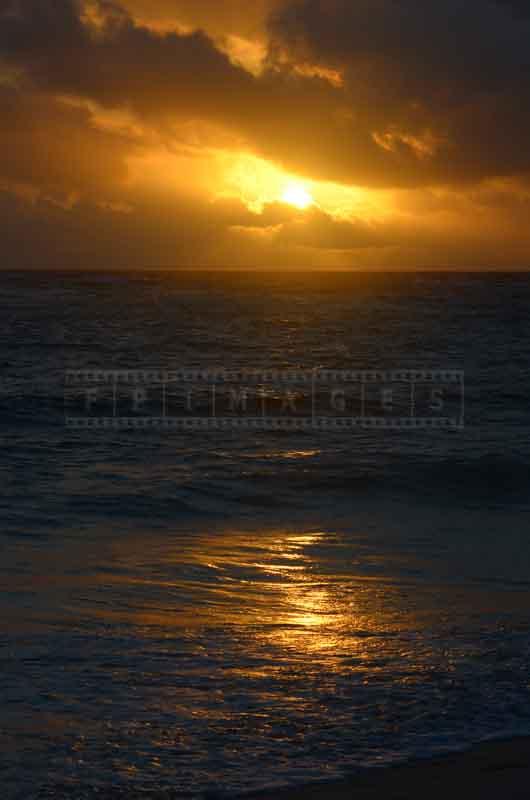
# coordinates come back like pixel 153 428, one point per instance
pixel 227 610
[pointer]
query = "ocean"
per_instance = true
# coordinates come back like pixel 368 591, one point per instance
pixel 217 610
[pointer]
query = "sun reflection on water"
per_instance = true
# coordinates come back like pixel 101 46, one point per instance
pixel 290 596
pixel 279 591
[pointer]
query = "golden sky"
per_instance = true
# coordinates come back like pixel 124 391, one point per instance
pixel 279 133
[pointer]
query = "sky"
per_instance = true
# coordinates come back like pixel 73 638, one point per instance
pixel 340 134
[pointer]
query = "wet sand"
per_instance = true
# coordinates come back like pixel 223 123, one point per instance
pixel 489 772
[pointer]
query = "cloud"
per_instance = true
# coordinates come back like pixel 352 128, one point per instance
pixel 400 95
pixel 422 81
pixel 230 17
pixel 53 147
pixel 438 92
pixel 108 58
pixel 319 230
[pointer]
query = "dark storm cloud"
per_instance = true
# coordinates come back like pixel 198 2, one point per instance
pixel 161 77
pixel 433 92
pixel 453 73
pixel 458 45
pixel 117 62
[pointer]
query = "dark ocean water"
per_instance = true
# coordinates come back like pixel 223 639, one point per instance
pixel 228 610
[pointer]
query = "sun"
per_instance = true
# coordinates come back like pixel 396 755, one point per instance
pixel 297 195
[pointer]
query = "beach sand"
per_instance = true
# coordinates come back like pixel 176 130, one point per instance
pixel 489 772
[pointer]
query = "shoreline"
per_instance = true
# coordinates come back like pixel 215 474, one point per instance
pixel 488 771
pixel 485 772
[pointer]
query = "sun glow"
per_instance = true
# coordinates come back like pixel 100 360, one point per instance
pixel 295 194
pixel 258 183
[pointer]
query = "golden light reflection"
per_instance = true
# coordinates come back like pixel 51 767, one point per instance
pixel 267 582
pixel 280 592
pixel 272 579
